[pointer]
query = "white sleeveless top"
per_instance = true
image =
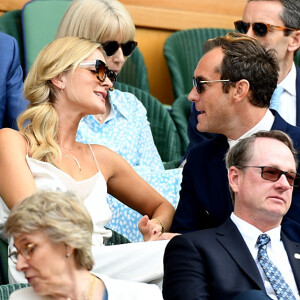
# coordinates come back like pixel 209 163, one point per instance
pixel 92 191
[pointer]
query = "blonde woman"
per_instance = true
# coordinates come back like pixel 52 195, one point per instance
pixel 69 80
pixel 123 127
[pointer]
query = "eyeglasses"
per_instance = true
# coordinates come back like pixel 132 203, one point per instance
pixel 273 174
pixel 25 251
pixel 111 48
pixel 198 83
pixel 101 70
pixel 259 28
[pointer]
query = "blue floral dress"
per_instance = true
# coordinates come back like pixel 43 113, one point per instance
pixel 127 132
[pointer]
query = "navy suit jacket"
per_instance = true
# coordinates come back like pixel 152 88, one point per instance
pixel 197 137
pixel 205 200
pixel 12 101
pixel 215 264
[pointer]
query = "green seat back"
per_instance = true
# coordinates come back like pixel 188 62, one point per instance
pixel 183 50
pixel 3 262
pixel 6 290
pixel 41 19
pixel 165 135
pixel 180 113
pixel 135 72
pixel 116 239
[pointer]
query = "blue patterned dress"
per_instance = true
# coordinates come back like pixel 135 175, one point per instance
pixel 127 132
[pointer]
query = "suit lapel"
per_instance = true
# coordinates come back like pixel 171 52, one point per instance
pixel 230 238
pixel 293 252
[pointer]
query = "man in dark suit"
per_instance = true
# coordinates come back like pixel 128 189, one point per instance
pixel 12 101
pixel 285 14
pixel 234 108
pixel 223 262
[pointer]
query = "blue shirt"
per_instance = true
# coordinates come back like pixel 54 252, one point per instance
pixel 127 132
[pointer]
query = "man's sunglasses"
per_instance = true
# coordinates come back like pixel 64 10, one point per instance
pixel 101 71
pixel 273 174
pixel 259 28
pixel 198 83
pixel 111 48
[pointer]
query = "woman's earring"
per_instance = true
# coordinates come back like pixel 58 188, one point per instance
pixel 68 255
pixel 61 89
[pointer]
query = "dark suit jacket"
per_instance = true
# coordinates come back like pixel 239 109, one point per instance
pixel 215 264
pixel 298 96
pixel 205 200
pixel 12 102
pixel 197 137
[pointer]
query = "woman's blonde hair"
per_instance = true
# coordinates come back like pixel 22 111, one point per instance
pixel 39 122
pixel 62 216
pixel 98 20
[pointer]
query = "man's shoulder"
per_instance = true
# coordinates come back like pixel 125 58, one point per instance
pixel 292 131
pixel 213 147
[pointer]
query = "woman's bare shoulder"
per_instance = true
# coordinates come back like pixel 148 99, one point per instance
pixel 10 138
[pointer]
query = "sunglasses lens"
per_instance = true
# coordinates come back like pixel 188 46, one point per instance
pixel 198 85
pixel 110 48
pixel 241 27
pixel 128 47
pixel 101 70
pixel 260 29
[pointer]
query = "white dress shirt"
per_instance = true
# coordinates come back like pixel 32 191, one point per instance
pixel 287 104
pixel 275 250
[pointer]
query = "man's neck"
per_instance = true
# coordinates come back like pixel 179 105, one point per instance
pixel 244 121
pixel 285 68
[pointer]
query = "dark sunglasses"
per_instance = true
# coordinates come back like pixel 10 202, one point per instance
pixel 111 48
pixel 198 83
pixel 259 28
pixel 101 71
pixel 273 174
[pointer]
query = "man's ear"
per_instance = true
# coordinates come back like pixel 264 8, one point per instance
pixel 234 178
pixel 294 41
pixel 241 90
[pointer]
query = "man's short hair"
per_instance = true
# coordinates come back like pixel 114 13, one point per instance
pixel 246 58
pixel 290 15
pixel 241 153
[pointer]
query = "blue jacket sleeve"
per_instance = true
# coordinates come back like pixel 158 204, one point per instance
pixel 12 101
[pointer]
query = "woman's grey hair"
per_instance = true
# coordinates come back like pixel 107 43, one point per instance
pixel 62 216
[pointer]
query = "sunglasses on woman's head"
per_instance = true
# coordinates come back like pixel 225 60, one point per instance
pixel 101 71
pixel 111 48
pixel 259 28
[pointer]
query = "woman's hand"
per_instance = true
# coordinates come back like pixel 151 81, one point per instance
pixel 153 230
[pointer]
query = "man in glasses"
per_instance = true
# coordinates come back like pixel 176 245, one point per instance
pixel 239 259
pixel 233 85
pixel 276 24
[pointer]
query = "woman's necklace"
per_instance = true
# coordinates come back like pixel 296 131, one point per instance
pixel 65 155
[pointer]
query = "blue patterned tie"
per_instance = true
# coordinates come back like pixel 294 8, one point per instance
pixel 275 100
pixel 281 288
